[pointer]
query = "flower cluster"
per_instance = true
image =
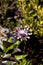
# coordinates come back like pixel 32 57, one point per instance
pixel 21 33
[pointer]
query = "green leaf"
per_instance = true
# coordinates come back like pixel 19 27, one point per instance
pixel 13 46
pixel 10 40
pixel 18 57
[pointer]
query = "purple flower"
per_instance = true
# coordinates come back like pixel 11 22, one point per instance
pixel 22 33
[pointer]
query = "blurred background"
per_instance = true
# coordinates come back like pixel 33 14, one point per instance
pixel 28 13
